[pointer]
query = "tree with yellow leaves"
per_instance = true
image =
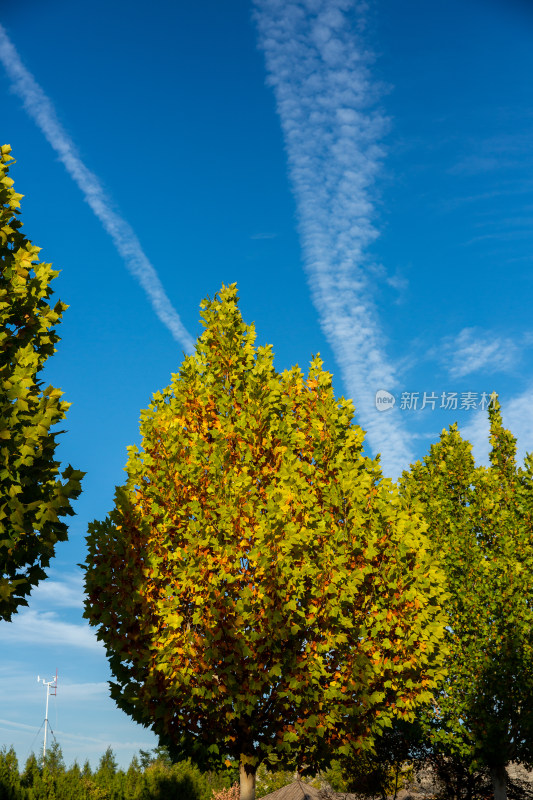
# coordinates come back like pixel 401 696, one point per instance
pixel 261 591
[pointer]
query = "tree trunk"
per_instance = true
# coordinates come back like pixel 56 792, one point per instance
pixel 499 783
pixel 247 780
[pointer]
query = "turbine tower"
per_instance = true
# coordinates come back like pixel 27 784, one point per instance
pixel 51 689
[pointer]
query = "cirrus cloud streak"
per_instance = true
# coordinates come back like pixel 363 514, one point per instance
pixel 40 108
pixel 326 100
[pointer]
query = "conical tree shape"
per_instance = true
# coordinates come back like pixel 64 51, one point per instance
pixel 10 786
pixel 480 521
pixel 260 589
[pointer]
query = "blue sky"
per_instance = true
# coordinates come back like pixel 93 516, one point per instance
pixel 362 170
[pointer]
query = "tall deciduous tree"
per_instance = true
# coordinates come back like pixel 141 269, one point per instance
pixel 32 496
pixel 259 587
pixel 481 522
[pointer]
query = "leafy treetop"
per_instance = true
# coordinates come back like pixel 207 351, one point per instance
pixel 480 521
pixel 260 589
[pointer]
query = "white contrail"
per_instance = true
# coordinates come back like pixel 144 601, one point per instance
pixel 326 101
pixel 41 110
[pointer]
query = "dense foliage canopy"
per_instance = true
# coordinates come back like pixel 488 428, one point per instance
pixel 480 521
pixel 261 591
pixel 32 497
pixel 156 779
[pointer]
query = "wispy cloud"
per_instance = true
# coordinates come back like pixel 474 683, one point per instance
pixel 474 350
pixel 30 626
pixel 24 684
pixel 326 100
pixel 502 151
pixel 103 741
pixel 84 691
pixel 64 592
pixel 476 164
pixel 507 189
pixel 40 109
pixel 18 725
